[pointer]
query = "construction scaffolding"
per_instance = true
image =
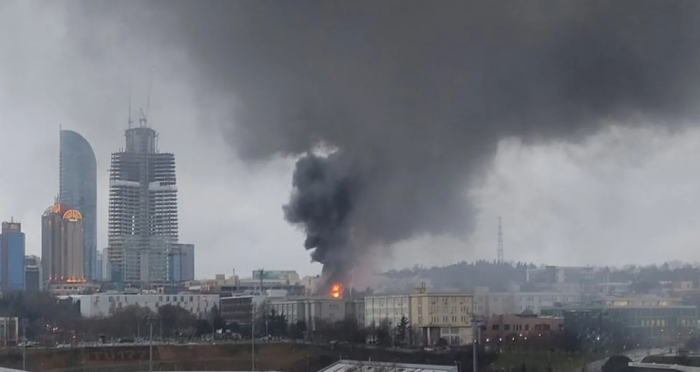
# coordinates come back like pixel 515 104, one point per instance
pixel 143 220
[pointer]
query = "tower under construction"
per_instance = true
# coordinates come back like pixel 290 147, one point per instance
pixel 143 221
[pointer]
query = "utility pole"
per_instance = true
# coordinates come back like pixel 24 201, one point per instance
pixel 150 347
pixel 24 349
pixel 475 348
pixel 252 339
pixel 150 319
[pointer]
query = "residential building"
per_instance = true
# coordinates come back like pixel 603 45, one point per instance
pixel 387 309
pixel 33 279
pixel 78 189
pixel 62 245
pixel 445 316
pixel 106 304
pixel 143 216
pixel 520 325
pixel 12 257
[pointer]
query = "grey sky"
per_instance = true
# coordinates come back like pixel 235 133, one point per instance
pixel 615 196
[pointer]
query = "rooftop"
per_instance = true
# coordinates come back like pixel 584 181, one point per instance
pixel 369 366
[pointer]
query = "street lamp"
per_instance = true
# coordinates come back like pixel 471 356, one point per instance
pixel 24 340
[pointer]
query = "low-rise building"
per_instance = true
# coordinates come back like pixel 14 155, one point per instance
pixel 106 304
pixel 239 309
pixel 387 309
pixel 630 322
pixel 488 304
pixel 447 316
pixel 9 330
pixel 72 287
pixel 310 310
pixel 522 325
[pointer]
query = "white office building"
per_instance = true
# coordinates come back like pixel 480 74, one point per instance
pixel 106 304
pixel 388 309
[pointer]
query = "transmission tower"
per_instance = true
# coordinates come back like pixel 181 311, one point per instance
pixel 500 242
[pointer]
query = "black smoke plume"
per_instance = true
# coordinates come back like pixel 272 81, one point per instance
pixel 415 95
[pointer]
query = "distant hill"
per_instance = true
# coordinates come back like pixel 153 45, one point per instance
pixel 467 275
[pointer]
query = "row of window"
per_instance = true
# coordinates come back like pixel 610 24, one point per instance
pixel 520 327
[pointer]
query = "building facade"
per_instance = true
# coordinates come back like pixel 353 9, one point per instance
pixel 62 245
pixel 143 216
pixel 628 323
pixel 520 325
pixel 487 304
pixel 106 304
pixel 180 263
pixel 386 309
pixel 447 316
pixel 78 189
pixel 33 278
pixel 310 310
pixel 12 257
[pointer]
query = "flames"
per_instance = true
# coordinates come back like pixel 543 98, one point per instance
pixel 336 290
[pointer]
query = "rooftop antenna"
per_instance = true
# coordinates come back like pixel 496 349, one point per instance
pixel 500 242
pixel 130 120
pixel 150 85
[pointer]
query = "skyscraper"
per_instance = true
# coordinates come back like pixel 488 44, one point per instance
pixel 78 189
pixel 33 281
pixel 12 257
pixel 62 244
pixel 143 223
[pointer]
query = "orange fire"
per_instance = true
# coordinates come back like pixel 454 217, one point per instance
pixel 336 290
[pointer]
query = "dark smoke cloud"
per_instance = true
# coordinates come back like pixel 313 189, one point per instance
pixel 415 95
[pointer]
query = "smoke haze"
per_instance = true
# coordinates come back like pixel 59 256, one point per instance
pixel 414 97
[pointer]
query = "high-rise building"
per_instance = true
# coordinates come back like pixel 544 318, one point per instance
pixel 12 257
pixel 33 281
pixel 143 223
pixel 180 263
pixel 106 267
pixel 62 233
pixel 187 262
pixel 78 189
pixel 98 267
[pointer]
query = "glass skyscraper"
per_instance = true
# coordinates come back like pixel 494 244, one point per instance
pixel 12 257
pixel 78 189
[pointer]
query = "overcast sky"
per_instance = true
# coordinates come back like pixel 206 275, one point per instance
pixel 619 195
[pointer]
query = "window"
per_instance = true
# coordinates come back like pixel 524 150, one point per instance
pixel 506 327
pixel 527 327
pixel 494 327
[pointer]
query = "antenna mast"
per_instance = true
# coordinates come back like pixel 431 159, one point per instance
pixel 500 242
pixel 130 120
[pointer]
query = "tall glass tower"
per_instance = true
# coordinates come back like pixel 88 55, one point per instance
pixel 78 190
